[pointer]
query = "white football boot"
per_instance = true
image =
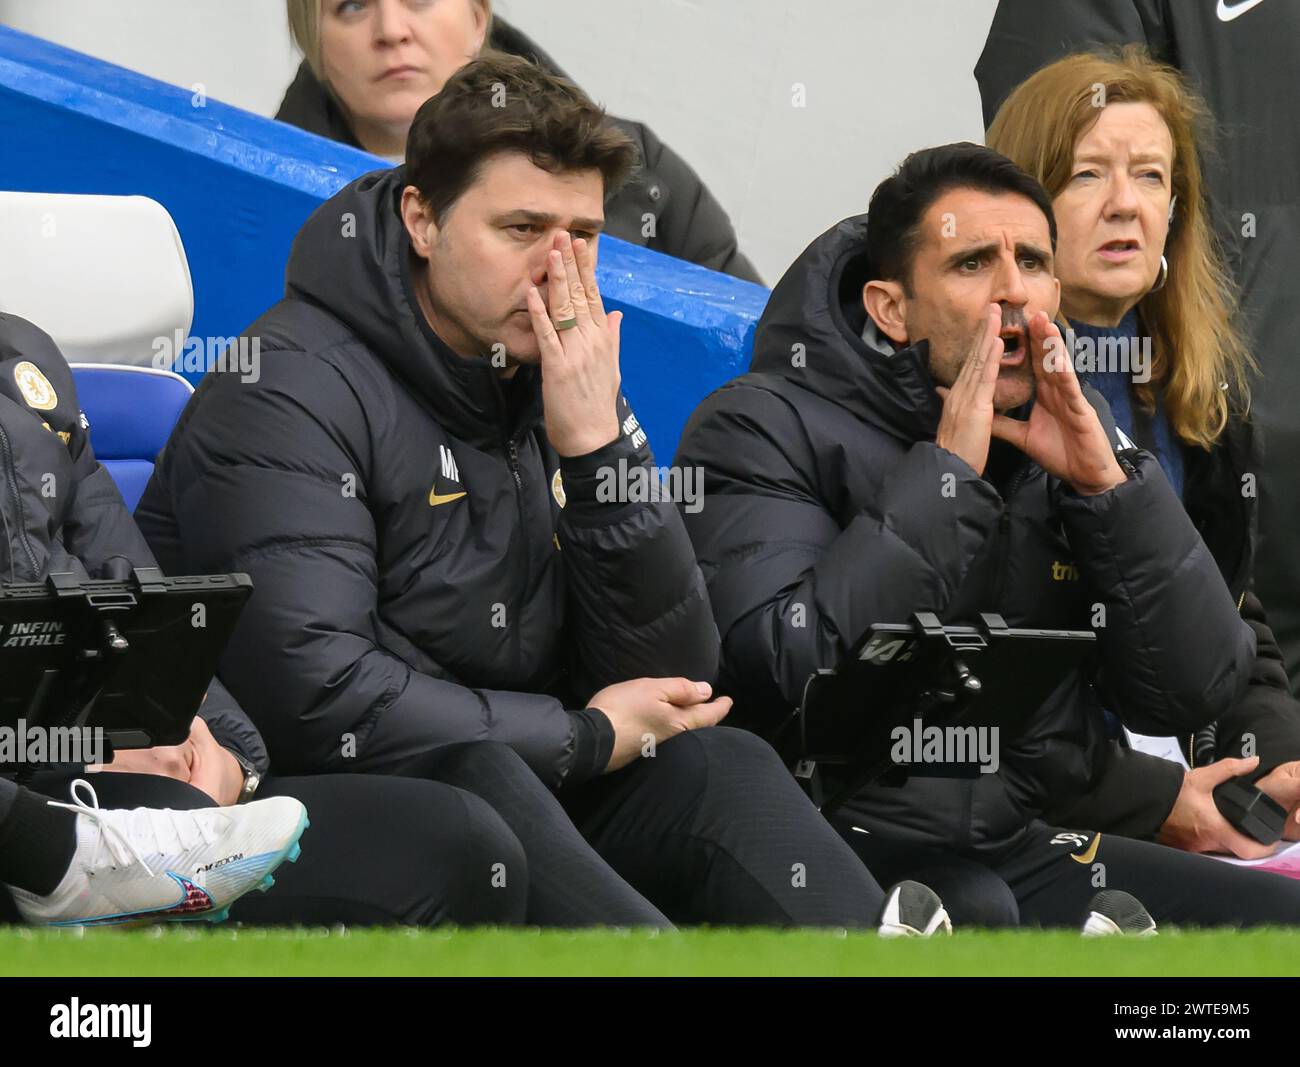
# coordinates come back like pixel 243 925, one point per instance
pixel 159 865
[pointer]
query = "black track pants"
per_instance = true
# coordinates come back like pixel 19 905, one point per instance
pixel 379 850
pixel 1046 876
pixel 710 829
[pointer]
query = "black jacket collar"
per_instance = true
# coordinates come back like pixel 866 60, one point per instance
pixel 310 107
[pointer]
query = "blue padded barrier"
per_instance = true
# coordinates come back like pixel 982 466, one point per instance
pixel 239 186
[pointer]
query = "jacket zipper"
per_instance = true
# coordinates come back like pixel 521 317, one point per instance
pixel 18 502
pixel 512 461
pixel 1000 581
pixel 511 443
pixel 512 455
pixel 1004 530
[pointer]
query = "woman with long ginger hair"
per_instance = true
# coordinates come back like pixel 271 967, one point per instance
pixel 1114 137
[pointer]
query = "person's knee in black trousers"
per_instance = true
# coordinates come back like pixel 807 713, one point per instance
pixel 973 894
pixel 384 850
pixel 490 883
pixel 569 884
pixel 714 829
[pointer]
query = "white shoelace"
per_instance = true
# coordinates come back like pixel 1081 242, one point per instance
pixel 148 823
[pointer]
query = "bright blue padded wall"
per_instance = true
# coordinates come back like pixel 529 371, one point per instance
pixel 239 186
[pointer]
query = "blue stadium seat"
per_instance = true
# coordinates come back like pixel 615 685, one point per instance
pixel 131 411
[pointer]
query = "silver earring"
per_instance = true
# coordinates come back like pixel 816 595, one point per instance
pixel 1163 276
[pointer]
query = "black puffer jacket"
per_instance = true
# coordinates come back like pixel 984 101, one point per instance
pixel 1135 792
pixel 689 223
pixel 822 489
pixel 426 569
pixel 61 510
pixel 1216 496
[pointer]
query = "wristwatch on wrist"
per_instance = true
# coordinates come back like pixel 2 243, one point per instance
pixel 252 779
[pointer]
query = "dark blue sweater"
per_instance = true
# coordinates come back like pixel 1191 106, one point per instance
pixel 1116 386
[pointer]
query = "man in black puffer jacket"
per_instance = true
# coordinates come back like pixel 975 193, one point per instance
pixel 62 513
pixel 867 468
pixel 1139 794
pixel 431 484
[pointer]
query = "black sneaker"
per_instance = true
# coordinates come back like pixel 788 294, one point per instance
pixel 913 910
pixel 1112 911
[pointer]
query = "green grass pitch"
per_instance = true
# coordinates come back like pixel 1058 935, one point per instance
pixel 227 951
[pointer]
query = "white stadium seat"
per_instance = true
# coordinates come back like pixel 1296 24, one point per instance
pixel 105 276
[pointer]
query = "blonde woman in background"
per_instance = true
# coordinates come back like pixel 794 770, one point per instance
pixel 370 64
pixel 1114 138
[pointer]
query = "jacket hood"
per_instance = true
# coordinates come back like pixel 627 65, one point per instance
pixel 352 258
pixel 817 304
